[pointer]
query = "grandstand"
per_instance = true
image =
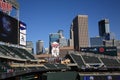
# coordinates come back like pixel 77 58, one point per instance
pixel 14 59
pixel 10 55
pixel 88 61
pixel 15 53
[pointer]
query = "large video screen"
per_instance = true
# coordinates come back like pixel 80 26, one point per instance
pixel 8 29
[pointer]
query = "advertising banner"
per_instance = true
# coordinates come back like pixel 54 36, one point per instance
pixel 22 39
pixel 5 6
pixel 111 51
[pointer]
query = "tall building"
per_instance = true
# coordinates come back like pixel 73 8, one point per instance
pixel 96 41
pixel 104 29
pixel 63 42
pixel 80 31
pixel 53 37
pixel 29 46
pixel 39 47
pixel 61 33
pixel 71 40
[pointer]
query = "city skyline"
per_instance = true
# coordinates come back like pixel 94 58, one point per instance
pixel 49 16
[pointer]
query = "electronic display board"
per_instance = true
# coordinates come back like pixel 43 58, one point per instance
pixel 111 51
pixel 8 29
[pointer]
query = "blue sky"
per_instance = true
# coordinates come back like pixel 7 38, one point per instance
pixel 48 16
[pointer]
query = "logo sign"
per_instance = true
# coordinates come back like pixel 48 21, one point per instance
pixel 101 50
pixel 55 49
pixel 22 27
pixel 5 6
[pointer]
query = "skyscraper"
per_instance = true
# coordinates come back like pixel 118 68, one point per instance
pixel 39 46
pixel 80 31
pixel 71 40
pixel 53 37
pixel 61 33
pixel 29 46
pixel 104 29
pixel 96 41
